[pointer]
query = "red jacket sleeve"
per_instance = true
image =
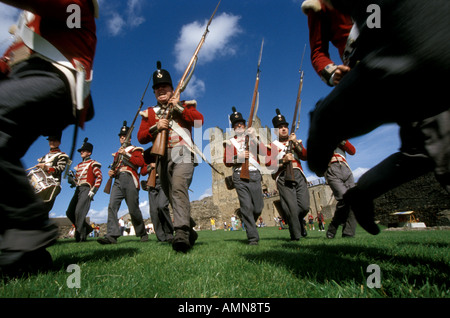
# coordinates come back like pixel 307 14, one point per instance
pixel 137 158
pixel 147 121
pixel 229 155
pixel 327 26
pixel 192 116
pixel 303 155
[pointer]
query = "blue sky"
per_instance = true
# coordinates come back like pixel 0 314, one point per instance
pixel 134 34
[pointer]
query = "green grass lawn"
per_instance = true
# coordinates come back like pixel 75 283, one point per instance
pixel 222 265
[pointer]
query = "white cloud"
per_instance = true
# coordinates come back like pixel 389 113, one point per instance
pixel 196 87
pixel 119 20
pixel 115 24
pixel 217 44
pixel 134 8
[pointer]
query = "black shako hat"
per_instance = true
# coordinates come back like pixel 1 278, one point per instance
pixel 236 117
pixel 161 76
pixel 124 130
pixel 279 119
pixel 86 146
pixel 56 136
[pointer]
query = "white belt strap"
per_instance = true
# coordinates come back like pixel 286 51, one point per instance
pixel 79 86
pixel 239 150
pixel 282 147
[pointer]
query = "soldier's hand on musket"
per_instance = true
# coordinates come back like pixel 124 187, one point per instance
pixel 174 100
pixel 288 157
pixel 339 73
pixel 163 124
pixel 293 138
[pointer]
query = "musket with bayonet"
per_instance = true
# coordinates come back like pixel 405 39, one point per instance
pixel 289 176
pixel 159 145
pixel 245 175
pixel 119 158
pixel 160 142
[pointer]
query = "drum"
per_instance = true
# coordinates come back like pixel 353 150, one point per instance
pixel 45 186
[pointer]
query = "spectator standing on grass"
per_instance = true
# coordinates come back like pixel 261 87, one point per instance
pixel 311 221
pixel 320 220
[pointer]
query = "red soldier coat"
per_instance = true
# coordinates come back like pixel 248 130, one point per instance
pixel 50 21
pixel 339 153
pixel 131 162
pixel 189 117
pixel 325 26
pixel 88 171
pixel 44 29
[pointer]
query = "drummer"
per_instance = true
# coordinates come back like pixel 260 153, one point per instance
pixel 53 164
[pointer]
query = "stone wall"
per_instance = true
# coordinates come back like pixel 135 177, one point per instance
pixel 424 195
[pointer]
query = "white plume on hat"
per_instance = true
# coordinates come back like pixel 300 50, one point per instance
pixel 309 5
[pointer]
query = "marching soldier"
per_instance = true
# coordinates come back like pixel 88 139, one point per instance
pixel 158 202
pixel 294 195
pixel 339 177
pixel 54 163
pixel 328 25
pixel 39 74
pixel 176 167
pixel 126 186
pixel 87 180
pixel 411 44
pixel 249 193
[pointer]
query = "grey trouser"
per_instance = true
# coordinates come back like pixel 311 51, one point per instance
pixel 175 171
pixel 124 188
pixel 294 201
pixel 34 101
pixel 159 212
pixel 78 210
pixel 250 200
pixel 340 178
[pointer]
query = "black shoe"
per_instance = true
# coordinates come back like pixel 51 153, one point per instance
pixel 16 264
pixel 106 240
pixel 363 210
pixel 181 241
pixel 144 238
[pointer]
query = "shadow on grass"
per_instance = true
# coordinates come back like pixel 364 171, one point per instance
pixel 92 254
pixel 349 262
